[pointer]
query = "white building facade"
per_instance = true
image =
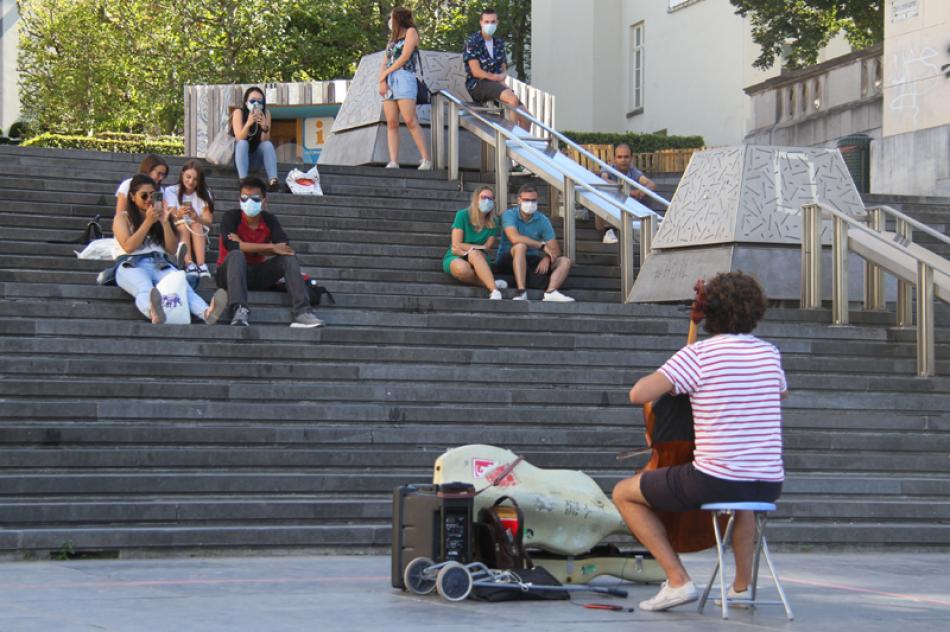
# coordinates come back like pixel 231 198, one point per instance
pixel 9 47
pixel 649 65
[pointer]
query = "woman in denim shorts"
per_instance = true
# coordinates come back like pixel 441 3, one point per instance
pixel 397 86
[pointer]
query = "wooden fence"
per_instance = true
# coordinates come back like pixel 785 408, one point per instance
pixel 661 161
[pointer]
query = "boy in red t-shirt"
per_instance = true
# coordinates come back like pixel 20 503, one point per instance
pixel 255 254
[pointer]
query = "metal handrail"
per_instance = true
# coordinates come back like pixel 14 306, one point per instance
pixel 498 128
pixel 811 277
pixel 609 168
pixel 890 210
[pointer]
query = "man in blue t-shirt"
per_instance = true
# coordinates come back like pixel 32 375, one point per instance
pixel 486 66
pixel 529 251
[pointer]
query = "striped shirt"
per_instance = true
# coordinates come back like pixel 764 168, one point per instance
pixel 734 384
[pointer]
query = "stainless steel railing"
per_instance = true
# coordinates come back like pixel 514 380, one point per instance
pixel 447 151
pixel 922 277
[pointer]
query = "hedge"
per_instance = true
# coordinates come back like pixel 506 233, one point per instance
pixel 116 142
pixel 641 143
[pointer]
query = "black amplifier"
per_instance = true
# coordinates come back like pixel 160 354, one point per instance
pixel 433 521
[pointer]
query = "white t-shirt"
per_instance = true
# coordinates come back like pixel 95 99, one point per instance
pixel 171 199
pixel 490 45
pixel 734 384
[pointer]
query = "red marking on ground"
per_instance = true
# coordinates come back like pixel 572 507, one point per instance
pixel 870 591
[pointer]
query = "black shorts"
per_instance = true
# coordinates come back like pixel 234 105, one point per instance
pixel 684 488
pixel 505 265
pixel 486 90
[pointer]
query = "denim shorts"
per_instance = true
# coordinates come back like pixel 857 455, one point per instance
pixel 402 85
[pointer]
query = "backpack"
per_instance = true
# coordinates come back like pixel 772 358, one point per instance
pixel 92 232
pixel 496 545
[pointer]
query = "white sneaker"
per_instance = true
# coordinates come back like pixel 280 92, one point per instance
pixel 425 165
pixel 501 284
pixel 203 271
pixel 743 597
pixel 669 597
pixel 523 296
pixel 610 237
pixel 495 295
pixel 392 164
pixel 556 297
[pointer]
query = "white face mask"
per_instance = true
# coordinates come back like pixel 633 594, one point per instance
pixel 489 29
pixel 529 208
pixel 390 23
pixel 486 205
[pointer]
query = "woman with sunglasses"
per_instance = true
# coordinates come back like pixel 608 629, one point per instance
pixel 473 233
pixel 146 236
pixel 250 126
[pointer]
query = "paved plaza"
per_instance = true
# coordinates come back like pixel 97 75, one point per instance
pixel 829 592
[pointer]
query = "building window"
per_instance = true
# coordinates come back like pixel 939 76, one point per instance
pixel 679 4
pixel 636 68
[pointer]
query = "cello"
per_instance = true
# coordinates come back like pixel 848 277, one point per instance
pixel 670 436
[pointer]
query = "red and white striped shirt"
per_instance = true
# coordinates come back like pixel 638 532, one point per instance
pixel 734 384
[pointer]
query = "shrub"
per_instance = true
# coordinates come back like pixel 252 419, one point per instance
pixel 20 129
pixel 116 142
pixel 640 143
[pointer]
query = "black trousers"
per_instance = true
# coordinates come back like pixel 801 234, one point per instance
pixel 237 278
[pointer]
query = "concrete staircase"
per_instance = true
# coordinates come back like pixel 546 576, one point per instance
pixel 116 435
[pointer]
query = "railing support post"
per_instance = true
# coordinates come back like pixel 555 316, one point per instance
pixel 501 168
pixel 926 360
pixel 554 201
pixel 905 316
pixel 453 140
pixel 436 132
pixel 811 257
pixel 839 274
pixel 626 250
pixel 570 208
pixel 873 274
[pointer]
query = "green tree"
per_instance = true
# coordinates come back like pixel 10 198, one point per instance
pixel 801 28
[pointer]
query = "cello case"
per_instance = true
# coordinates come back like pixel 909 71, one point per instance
pixel 566 513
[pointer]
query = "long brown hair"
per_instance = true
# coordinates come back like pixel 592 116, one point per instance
pixel 402 21
pixel 201 188
pixel 480 220
pixel 150 162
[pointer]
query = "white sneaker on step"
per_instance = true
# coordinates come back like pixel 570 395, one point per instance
pixel 392 164
pixel 668 597
pixel 610 237
pixel 523 296
pixel 501 284
pixel 425 165
pixel 556 297
pixel 495 295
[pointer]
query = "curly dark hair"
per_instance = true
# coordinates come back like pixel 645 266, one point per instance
pixel 735 303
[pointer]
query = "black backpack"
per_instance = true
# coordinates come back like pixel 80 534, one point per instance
pixel 92 232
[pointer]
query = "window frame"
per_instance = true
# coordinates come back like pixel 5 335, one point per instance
pixel 636 97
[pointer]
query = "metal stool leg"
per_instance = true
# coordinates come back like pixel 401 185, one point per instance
pixel 778 584
pixel 721 539
pixel 760 519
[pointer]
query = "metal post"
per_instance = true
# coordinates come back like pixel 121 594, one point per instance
pixel 501 168
pixel 570 207
pixel 647 231
pixel 839 273
pixel 554 201
pixel 453 140
pixel 811 257
pixel 873 274
pixel 626 252
pixel 926 361
pixel 905 316
pixel 437 132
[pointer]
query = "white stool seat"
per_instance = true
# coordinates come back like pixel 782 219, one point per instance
pixel 761 511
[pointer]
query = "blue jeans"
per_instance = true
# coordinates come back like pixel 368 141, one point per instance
pixel 244 159
pixel 141 275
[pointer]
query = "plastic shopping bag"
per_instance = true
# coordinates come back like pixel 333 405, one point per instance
pixel 174 289
pixel 106 248
pixel 304 183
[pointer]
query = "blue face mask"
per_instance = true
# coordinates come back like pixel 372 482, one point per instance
pixel 251 208
pixel 486 205
pixel 489 29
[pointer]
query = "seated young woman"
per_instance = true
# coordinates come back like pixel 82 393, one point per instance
pixel 152 166
pixel 145 234
pixel 191 206
pixel 473 233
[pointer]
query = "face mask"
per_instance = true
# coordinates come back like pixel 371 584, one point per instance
pixel 390 24
pixel 489 29
pixel 528 208
pixel 486 205
pixel 251 208
pixel 252 104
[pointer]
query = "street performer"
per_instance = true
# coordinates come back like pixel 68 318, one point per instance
pixel 735 383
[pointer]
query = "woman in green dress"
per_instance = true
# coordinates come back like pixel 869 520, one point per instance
pixel 473 233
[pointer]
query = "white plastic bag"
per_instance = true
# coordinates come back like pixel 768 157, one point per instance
pixel 304 183
pixel 221 150
pixel 106 248
pixel 174 289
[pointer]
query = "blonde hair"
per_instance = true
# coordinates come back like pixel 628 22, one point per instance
pixel 475 216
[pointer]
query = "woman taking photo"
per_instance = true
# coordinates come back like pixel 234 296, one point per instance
pixel 473 233
pixel 397 86
pixel 191 206
pixel 251 129
pixel 145 234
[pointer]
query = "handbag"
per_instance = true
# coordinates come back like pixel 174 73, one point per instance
pixel 221 150
pixel 423 94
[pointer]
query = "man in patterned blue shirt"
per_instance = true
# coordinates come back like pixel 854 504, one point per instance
pixel 486 66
